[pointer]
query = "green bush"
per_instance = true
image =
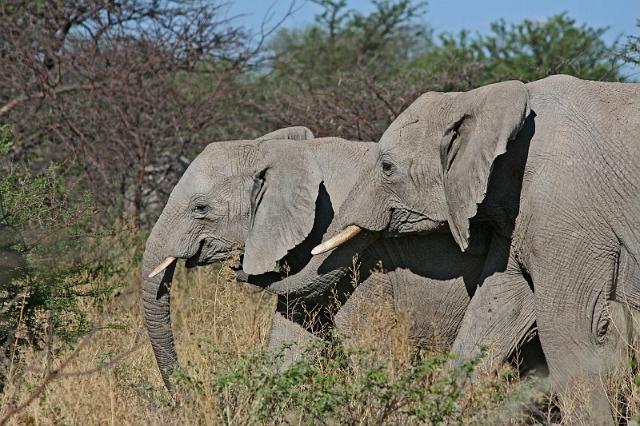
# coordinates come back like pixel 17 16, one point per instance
pixel 48 250
pixel 632 49
pixel 342 387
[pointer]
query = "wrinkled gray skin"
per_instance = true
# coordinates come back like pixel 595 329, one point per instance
pixel 552 170
pixel 276 199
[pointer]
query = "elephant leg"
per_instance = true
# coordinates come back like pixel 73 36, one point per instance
pixel 292 339
pixel 498 318
pixel 579 326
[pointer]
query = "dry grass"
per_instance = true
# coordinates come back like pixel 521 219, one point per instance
pixel 226 378
pixel 214 321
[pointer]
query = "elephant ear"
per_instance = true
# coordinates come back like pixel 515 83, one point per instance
pixel 297 133
pixel 283 204
pixel 481 123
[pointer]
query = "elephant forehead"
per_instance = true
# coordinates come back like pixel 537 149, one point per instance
pixel 232 187
pixel 406 119
pixel 218 186
pixel 412 133
pixel 424 121
pixel 220 167
pixel 227 159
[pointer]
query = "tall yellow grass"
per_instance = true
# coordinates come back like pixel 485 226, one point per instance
pixel 111 377
pixel 213 319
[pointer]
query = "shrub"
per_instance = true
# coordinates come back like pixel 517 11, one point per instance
pixel 50 251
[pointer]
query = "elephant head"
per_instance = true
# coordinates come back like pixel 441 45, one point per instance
pixel 221 204
pixel 268 199
pixel 434 163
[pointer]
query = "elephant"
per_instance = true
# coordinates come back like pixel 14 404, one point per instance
pixel 550 171
pixel 273 199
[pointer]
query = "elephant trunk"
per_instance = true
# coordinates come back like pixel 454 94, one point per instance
pixel 156 293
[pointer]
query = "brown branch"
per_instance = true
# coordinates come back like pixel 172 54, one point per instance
pixel 7 107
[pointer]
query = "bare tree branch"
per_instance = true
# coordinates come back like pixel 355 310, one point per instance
pixel 8 106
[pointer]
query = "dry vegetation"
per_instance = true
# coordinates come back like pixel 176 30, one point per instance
pixel 113 377
pixel 227 376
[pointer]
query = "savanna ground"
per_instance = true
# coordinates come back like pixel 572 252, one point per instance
pixel 228 377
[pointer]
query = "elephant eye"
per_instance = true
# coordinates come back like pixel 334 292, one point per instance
pixel 602 328
pixel 387 167
pixel 200 209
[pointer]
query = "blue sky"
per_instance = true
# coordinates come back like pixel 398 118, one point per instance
pixel 454 15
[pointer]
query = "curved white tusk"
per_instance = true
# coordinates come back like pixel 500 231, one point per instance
pixel 348 233
pixel 162 266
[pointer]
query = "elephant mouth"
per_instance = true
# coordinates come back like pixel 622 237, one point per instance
pixel 404 221
pixel 210 252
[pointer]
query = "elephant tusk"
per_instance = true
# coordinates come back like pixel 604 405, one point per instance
pixel 162 266
pixel 348 233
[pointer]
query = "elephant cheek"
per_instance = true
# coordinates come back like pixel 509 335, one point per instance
pixel 367 207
